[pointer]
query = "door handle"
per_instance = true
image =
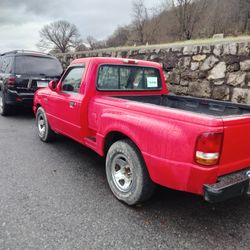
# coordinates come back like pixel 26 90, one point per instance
pixel 72 104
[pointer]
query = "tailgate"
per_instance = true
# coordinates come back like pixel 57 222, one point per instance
pixel 236 147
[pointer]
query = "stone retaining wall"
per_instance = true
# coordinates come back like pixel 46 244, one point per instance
pixel 219 71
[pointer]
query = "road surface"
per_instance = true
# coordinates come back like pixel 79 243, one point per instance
pixel 55 196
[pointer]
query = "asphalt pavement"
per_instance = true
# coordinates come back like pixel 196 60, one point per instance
pixel 55 196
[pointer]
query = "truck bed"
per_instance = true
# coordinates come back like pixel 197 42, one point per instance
pixel 193 104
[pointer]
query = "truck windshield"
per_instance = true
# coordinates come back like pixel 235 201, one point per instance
pixel 119 77
pixel 38 65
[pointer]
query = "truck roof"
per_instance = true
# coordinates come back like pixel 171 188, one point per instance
pixel 115 60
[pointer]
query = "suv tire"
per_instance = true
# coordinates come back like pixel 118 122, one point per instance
pixel 4 107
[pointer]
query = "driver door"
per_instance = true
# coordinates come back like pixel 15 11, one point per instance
pixel 66 103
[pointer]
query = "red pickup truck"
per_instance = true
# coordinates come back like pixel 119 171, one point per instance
pixel 121 109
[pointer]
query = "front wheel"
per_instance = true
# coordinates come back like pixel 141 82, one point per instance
pixel 45 133
pixel 126 173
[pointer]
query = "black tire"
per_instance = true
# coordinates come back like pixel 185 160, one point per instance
pixel 45 133
pixel 4 107
pixel 126 173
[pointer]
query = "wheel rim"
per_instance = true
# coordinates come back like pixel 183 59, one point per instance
pixel 1 104
pixel 41 125
pixel 121 173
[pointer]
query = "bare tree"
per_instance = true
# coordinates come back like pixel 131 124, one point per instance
pixel 188 13
pixel 59 36
pixel 92 42
pixel 120 37
pixel 140 18
pixel 153 24
pixel 81 47
pixel 244 16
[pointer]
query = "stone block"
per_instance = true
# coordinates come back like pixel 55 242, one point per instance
pixel 219 82
pixel 190 50
pixel 233 67
pixel 236 79
pixel 218 72
pixel 230 49
pixel 189 75
pixel 244 49
pixel 184 83
pixel 154 57
pixel 217 49
pixel 202 74
pixel 245 65
pixel 199 58
pixel 186 61
pixel 241 96
pixel 221 93
pixel 174 77
pixel 248 79
pixel 177 89
pixel 200 89
pixel 209 63
pixel 195 65
pixel 206 49
pixel 177 49
pixel 158 51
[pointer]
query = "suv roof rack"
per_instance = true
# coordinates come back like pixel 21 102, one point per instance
pixel 25 51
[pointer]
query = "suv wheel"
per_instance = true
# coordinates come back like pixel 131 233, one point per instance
pixel 4 107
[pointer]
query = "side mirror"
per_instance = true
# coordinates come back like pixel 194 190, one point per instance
pixel 53 85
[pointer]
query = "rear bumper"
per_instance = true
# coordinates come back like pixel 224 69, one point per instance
pixel 16 98
pixel 228 186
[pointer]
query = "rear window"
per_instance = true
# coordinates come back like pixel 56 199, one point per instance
pixel 119 77
pixel 37 65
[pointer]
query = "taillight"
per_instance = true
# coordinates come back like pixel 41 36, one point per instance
pixel 11 81
pixel 208 148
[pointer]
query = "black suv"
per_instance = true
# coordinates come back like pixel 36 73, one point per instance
pixel 21 74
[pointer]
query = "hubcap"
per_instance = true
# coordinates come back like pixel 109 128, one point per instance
pixel 122 173
pixel 41 125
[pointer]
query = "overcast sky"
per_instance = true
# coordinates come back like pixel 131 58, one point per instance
pixel 21 20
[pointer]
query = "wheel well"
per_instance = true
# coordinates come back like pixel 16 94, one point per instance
pixel 111 138
pixel 37 107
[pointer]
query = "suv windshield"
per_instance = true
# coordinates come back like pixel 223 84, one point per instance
pixel 38 65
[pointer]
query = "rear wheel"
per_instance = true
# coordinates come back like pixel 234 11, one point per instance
pixel 4 107
pixel 45 133
pixel 127 174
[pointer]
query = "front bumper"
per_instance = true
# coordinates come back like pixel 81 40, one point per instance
pixel 228 186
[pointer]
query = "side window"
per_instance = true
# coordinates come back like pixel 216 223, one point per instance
pixel 6 64
pixel 72 80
